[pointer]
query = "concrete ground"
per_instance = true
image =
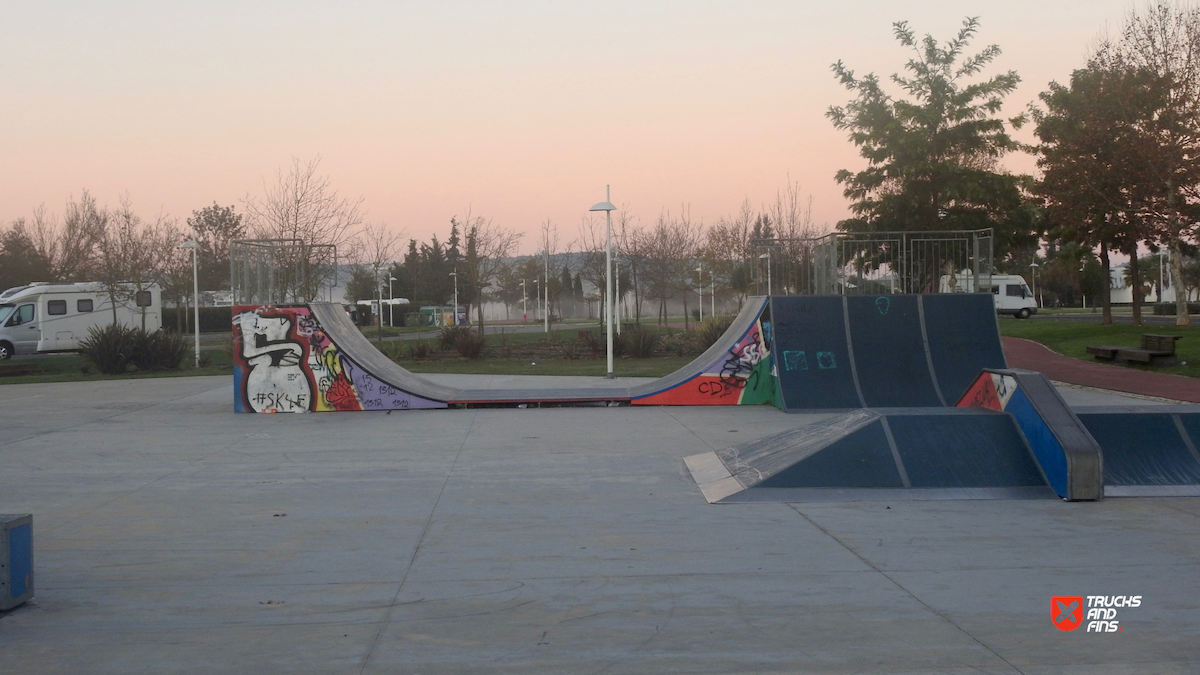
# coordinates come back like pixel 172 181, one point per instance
pixel 174 536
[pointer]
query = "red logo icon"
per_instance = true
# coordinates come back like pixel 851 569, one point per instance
pixel 1066 612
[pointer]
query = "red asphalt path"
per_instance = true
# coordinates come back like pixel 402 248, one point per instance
pixel 1031 355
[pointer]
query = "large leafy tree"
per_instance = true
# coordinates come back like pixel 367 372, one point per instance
pixel 933 150
pixel 1164 40
pixel 1095 154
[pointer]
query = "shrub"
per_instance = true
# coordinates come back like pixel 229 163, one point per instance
pixel 110 348
pixel 470 344
pixel 711 330
pixel 450 336
pixel 640 341
pixel 505 344
pixel 418 350
pixel 596 343
pixel 569 350
pixel 159 350
pixel 680 343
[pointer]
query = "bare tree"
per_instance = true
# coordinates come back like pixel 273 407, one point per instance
pixel 671 247
pixel 302 206
pixel 629 248
pixel 728 248
pixel 487 247
pixel 134 255
pixel 376 246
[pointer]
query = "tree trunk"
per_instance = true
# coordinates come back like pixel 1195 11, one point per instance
pixel 1181 295
pixel 686 316
pixel 1106 294
pixel 478 310
pixel 1136 283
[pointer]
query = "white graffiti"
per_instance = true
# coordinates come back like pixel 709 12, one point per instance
pixel 276 381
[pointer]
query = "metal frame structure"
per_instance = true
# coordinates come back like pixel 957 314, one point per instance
pixel 874 263
pixel 281 271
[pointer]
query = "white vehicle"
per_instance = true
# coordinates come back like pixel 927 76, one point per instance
pixel 54 317
pixel 1009 291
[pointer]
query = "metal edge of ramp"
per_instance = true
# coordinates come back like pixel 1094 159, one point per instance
pixel 349 340
pixel 742 323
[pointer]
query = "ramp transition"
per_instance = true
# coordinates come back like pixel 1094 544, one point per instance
pixel 797 353
pixel 894 453
pixel 841 352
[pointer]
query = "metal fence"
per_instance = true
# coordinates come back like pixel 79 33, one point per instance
pixel 848 263
pixel 281 271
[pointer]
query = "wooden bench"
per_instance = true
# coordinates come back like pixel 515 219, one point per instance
pixel 13 369
pixel 1156 350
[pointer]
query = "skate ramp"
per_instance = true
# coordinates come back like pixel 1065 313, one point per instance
pixel 736 370
pixel 840 352
pixel 869 454
pixel 1147 453
pixel 1068 455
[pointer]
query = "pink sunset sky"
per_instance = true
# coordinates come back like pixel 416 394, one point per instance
pixel 520 111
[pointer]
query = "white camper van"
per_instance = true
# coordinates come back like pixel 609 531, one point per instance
pixel 1010 292
pixel 54 317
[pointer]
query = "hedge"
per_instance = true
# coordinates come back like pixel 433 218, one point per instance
pixel 212 319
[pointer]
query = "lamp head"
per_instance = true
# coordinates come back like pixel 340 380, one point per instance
pixel 603 206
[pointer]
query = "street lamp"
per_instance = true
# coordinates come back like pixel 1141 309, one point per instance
pixel 1161 251
pixel 607 207
pixel 767 256
pixel 391 305
pixel 700 289
pixel 1033 266
pixel 194 246
pixel 454 314
pixel 524 312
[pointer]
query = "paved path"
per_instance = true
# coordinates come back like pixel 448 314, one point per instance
pixel 1035 356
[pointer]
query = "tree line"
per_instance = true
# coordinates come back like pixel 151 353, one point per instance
pixel 1118 147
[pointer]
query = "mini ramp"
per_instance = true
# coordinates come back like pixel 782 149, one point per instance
pixel 312 358
pixel 797 353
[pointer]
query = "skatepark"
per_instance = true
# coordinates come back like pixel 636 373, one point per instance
pixel 176 535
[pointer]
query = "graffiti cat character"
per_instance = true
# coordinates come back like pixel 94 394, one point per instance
pixel 275 378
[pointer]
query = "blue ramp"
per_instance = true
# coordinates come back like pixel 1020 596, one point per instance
pixel 1147 453
pixel 812 353
pixel 963 339
pixel 890 355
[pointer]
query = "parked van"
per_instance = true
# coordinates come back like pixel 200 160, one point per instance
pixel 1009 291
pixel 54 317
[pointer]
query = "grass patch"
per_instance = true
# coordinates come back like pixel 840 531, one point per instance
pixel 1072 338
pixel 75 368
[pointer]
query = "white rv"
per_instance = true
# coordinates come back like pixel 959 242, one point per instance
pixel 54 317
pixel 1009 291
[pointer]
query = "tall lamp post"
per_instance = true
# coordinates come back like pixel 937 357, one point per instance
pixel 712 292
pixel 767 257
pixel 193 245
pixel 454 314
pixel 700 290
pixel 391 305
pixel 524 312
pixel 607 207
pixel 1033 266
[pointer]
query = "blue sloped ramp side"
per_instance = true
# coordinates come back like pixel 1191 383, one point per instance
pixel 812 354
pixel 1045 447
pixel 861 459
pixel 1145 449
pixel 963 451
pixel 963 339
pixel 889 351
